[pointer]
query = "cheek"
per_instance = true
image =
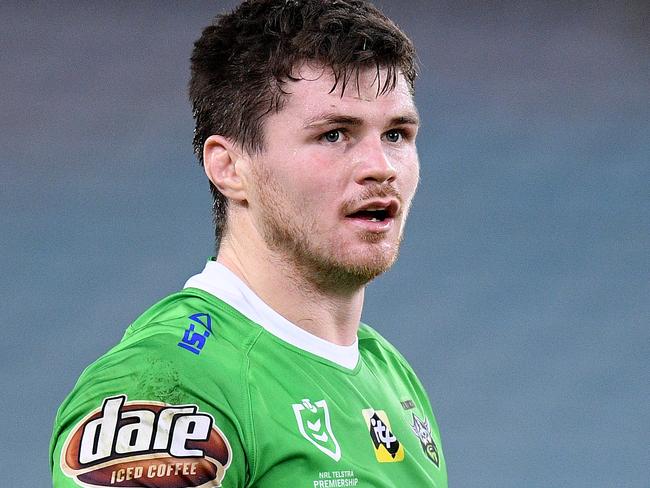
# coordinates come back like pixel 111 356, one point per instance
pixel 301 191
pixel 410 176
pixel 313 179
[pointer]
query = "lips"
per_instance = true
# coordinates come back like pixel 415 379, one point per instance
pixel 376 210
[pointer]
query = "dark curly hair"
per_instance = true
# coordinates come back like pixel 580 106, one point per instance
pixel 242 60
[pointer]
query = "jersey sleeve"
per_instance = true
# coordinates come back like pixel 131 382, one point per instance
pixel 148 414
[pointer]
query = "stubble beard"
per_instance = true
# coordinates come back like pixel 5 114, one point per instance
pixel 291 237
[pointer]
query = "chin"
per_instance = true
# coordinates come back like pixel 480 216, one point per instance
pixel 338 263
pixel 358 269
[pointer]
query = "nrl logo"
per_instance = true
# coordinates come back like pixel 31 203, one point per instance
pixel 422 430
pixel 314 425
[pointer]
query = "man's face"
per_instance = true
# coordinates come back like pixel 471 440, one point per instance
pixel 333 185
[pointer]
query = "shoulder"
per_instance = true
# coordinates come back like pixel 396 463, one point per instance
pixel 386 361
pixel 179 339
pixel 373 344
pixel 178 369
pixel 171 353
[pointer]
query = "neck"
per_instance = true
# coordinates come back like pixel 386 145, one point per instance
pixel 329 313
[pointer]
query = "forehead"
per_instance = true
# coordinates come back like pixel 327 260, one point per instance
pixel 316 89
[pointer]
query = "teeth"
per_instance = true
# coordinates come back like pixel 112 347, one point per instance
pixel 374 219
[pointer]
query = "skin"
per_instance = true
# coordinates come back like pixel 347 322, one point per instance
pixel 292 234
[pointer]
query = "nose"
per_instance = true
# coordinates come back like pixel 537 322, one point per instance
pixel 374 165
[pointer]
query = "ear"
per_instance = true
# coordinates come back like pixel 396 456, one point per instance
pixel 225 165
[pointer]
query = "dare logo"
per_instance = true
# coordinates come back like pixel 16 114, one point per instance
pixel 145 443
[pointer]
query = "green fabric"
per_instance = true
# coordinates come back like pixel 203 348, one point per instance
pixel 272 402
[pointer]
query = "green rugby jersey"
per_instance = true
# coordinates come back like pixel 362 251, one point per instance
pixel 211 387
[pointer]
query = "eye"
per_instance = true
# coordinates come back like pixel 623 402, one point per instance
pixel 332 135
pixel 394 136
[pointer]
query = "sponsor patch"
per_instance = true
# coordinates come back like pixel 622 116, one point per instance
pixel 314 425
pixel 146 443
pixel 422 430
pixel 387 448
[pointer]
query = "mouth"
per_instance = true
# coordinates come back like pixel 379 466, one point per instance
pixel 372 215
pixel 378 214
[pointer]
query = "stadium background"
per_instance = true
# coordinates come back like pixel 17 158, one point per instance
pixel 522 296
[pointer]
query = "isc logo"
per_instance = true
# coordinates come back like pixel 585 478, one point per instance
pixel 123 441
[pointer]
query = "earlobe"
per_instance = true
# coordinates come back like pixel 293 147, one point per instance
pixel 224 163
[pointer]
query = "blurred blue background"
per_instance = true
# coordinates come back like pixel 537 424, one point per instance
pixel 522 295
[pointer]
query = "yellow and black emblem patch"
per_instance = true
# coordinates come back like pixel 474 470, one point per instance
pixel 387 448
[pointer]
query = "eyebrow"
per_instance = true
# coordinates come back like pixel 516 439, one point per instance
pixel 332 118
pixel 407 119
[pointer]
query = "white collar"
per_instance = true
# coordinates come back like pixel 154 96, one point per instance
pixel 219 281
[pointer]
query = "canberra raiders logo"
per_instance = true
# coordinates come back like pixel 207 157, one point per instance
pixel 422 430
pixel 314 425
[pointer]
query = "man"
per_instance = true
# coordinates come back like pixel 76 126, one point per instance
pixel 259 374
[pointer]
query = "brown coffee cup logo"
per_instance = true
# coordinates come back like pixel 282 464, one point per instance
pixel 141 443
